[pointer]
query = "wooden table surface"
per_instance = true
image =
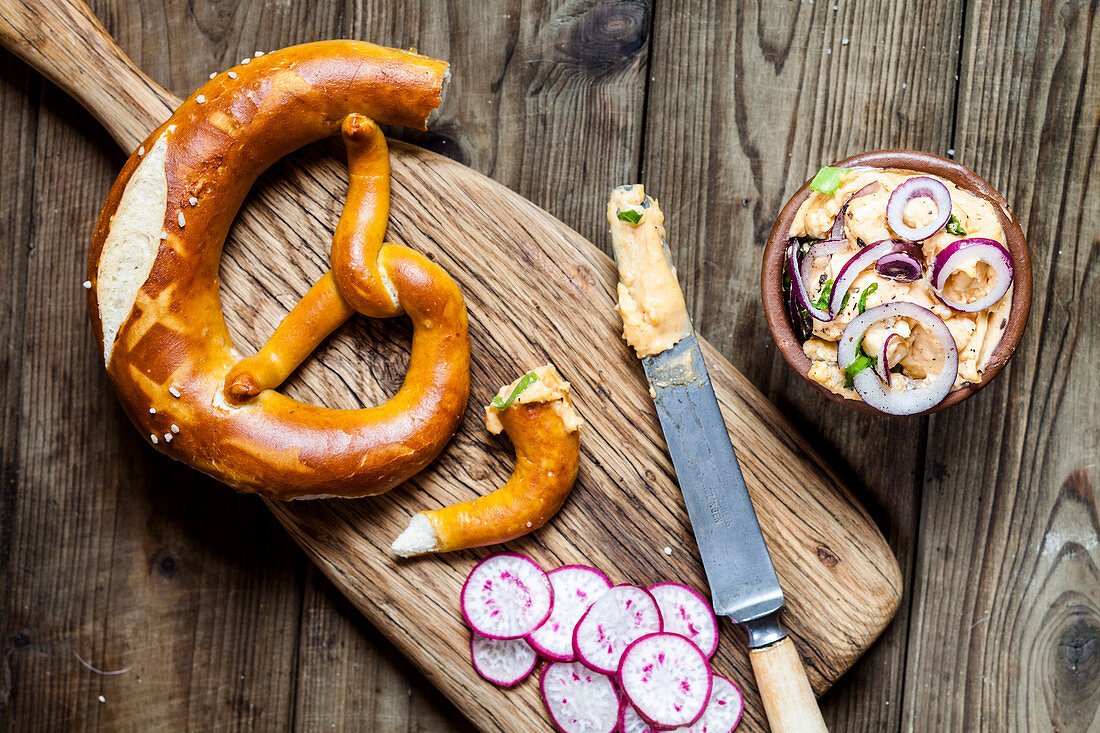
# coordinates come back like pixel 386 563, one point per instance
pixel 209 617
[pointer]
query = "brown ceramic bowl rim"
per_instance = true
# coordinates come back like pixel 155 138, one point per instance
pixel 771 275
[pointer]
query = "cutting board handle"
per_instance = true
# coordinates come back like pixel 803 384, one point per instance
pixel 789 701
pixel 68 45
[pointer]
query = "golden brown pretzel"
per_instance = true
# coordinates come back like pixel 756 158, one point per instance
pixel 544 429
pixel 154 271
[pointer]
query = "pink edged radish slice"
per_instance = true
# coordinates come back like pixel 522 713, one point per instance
pixel 506 596
pixel 685 612
pixel 631 722
pixel 619 617
pixel 576 587
pixel 723 711
pixel 666 678
pixel 578 699
pixel 503 662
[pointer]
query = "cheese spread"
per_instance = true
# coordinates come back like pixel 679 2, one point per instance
pixel 914 352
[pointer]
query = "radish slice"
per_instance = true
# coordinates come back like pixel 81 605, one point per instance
pixel 685 612
pixel 722 714
pixel 578 699
pixel 666 678
pixel 723 711
pixel 506 596
pixel 503 662
pixel 619 617
pixel 576 587
pixel 631 722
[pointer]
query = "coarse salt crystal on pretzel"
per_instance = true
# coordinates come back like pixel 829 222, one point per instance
pixel 155 305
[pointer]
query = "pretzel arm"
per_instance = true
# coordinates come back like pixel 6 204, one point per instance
pixel 545 434
pixel 355 282
pixel 320 312
pixel 358 238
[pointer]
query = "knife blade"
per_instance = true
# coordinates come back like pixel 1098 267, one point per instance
pixel 738 566
pixel 743 583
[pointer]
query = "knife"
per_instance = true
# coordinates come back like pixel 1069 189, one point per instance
pixel 743 583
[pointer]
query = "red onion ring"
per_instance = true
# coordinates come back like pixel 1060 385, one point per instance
pixel 882 364
pixel 827 247
pixel 954 255
pixel 798 285
pixel 838 222
pixel 917 395
pixel 912 188
pixel 866 257
pixel 900 265
pixel 802 325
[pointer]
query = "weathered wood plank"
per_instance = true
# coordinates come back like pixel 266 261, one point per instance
pixel 115 553
pixel 19 92
pixel 1006 618
pixel 746 101
pixel 532 87
pixel 351 677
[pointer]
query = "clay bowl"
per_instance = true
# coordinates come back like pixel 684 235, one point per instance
pixel 771 276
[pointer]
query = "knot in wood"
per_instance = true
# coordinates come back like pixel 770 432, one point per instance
pixel 608 36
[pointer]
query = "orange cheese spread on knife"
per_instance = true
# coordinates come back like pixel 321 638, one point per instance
pixel 650 300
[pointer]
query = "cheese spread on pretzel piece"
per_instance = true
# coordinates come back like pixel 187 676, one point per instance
pixel 538 415
pixel 154 262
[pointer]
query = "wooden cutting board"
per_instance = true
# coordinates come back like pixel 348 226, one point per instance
pixel 537 291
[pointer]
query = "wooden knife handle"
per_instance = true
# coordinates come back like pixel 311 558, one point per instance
pixel 789 701
pixel 68 45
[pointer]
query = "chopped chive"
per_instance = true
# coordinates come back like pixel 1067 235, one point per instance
pixel 630 215
pixel 828 179
pixel 823 297
pixel 844 303
pixel 863 296
pixel 954 226
pixel 861 362
pixel 526 381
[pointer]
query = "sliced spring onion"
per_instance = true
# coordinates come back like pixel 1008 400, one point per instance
pixel 862 305
pixel 526 381
pixel 822 301
pixel 828 179
pixel 862 361
pixel 630 215
pixel 954 226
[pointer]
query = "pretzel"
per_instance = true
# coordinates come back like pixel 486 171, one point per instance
pixel 538 416
pixel 153 277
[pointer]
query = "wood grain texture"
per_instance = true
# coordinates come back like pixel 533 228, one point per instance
pixel 842 584
pixel 838 579
pixel 1006 630
pixel 1025 119
pixel 781 88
